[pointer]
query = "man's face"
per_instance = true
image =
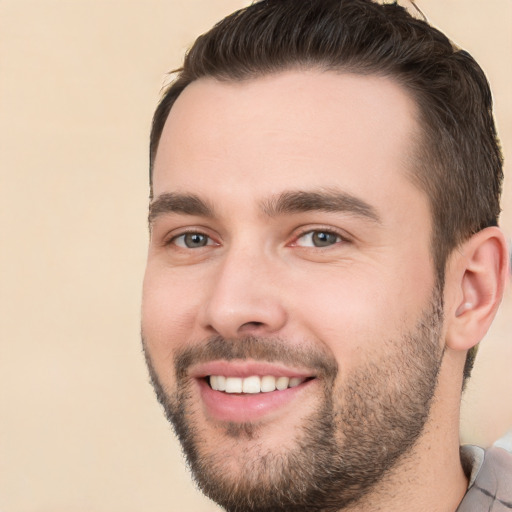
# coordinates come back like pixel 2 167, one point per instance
pixel 290 266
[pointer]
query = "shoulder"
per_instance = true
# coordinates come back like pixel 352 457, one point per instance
pixel 490 477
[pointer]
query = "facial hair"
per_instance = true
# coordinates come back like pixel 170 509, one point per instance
pixel 359 431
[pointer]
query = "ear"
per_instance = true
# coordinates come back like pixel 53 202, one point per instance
pixel 476 277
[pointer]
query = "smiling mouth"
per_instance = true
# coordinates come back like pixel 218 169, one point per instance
pixel 253 384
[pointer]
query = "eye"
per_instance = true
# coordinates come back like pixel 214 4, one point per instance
pixel 318 238
pixel 192 240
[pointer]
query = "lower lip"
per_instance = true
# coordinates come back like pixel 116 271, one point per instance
pixel 242 408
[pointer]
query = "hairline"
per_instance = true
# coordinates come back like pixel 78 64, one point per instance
pixel 421 138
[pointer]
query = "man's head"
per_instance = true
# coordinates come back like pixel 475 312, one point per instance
pixel 313 167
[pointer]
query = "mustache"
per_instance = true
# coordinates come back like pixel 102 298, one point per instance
pixel 274 350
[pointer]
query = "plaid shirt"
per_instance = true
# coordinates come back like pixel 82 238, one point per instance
pixel 490 477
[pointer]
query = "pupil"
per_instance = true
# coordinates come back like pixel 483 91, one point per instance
pixel 322 239
pixel 195 240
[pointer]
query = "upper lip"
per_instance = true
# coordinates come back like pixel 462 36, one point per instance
pixel 246 369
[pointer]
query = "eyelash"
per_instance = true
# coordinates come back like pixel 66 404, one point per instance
pixel 328 230
pixel 211 242
pixel 172 240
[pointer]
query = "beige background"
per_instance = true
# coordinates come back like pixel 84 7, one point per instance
pixel 80 430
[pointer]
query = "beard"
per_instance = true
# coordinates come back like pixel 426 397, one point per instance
pixel 358 432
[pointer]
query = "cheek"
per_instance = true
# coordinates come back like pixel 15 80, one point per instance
pixel 348 322
pixel 355 313
pixel 168 312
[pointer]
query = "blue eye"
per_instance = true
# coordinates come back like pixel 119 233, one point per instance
pixel 192 240
pixel 318 239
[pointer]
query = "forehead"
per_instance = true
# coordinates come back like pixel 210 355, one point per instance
pixel 295 129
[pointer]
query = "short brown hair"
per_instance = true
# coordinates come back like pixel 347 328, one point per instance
pixel 459 162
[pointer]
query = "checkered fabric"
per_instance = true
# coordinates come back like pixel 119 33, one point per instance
pixel 490 482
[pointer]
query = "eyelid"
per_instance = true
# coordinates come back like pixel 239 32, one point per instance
pixel 344 237
pixel 183 245
pixel 170 238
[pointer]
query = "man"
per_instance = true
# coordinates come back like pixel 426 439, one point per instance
pixel 324 259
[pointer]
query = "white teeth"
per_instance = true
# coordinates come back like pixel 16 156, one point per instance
pixel 233 385
pixel 282 383
pixel 268 383
pixel 294 382
pixel 218 382
pixel 253 384
pixel 221 383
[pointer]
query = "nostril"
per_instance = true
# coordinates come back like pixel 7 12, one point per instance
pixel 251 325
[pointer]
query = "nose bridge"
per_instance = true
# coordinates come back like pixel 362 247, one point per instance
pixel 244 298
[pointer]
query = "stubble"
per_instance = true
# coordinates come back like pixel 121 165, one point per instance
pixel 355 436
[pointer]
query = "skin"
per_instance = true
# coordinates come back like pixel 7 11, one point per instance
pixel 238 147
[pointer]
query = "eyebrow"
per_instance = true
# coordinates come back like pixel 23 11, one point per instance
pixel 329 200
pixel 288 202
pixel 172 202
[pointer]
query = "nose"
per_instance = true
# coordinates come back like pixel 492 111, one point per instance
pixel 245 297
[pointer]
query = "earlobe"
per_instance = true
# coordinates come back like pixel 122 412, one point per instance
pixel 478 275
